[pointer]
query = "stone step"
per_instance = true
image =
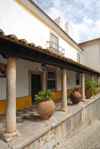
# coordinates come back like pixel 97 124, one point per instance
pixel 87 138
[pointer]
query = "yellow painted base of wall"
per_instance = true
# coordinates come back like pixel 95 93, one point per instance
pixel 2 106
pixel 59 94
pixel 20 103
pixel 23 102
pixel 27 101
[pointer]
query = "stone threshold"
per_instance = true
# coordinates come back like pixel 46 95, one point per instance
pixel 43 134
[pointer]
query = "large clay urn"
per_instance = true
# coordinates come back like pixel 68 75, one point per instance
pixel 75 97
pixel 46 108
pixel 88 93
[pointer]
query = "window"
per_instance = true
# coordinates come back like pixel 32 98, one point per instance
pixel 54 42
pixel 77 78
pixel 78 57
pixel 51 79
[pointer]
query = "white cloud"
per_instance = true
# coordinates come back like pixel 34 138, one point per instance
pixel 55 13
pixel 82 14
pixel 87 30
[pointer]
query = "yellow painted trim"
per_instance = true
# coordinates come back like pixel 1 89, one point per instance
pixel 23 102
pixel 56 95
pixel 59 94
pixel 2 106
pixel 20 103
pixel 27 101
pixel 69 92
pixel 45 23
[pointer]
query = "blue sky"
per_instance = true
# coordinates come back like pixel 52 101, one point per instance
pixel 82 14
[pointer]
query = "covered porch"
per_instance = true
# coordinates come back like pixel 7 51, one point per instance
pixel 13 49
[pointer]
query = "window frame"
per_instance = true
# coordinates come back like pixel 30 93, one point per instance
pixel 77 73
pixel 78 57
pixel 52 34
pixel 56 46
pixel 51 69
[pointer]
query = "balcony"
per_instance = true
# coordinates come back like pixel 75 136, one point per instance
pixel 55 48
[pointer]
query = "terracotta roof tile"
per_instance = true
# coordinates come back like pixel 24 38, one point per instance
pixel 1 32
pixel 31 44
pixel 23 42
pixel 12 36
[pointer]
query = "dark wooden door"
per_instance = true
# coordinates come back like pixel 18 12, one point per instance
pixel 35 85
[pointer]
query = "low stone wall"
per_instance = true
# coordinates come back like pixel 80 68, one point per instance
pixel 66 125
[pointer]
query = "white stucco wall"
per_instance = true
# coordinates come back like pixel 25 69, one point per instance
pixel 14 19
pixel 59 78
pixel 70 52
pixel 71 80
pixel 87 77
pixel 21 78
pixel 91 56
pixel 95 78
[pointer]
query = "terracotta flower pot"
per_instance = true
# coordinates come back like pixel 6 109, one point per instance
pixel 46 108
pixel 75 97
pixel 88 93
pixel 98 89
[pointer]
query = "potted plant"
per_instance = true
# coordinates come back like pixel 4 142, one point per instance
pixel 91 88
pixel 75 96
pixel 45 106
pixel 97 86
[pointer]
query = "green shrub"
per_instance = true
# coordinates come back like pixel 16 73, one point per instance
pixel 43 95
pixel 92 86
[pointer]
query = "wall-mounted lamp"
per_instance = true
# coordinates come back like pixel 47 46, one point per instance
pixel 43 67
pixel 3 68
pixel 2 71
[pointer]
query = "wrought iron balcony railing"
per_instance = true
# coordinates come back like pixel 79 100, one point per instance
pixel 55 48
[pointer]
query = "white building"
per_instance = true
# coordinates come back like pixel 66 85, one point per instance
pixel 50 46
pixel 91 54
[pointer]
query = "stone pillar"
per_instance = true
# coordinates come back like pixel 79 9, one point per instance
pixel 11 132
pixel 83 86
pixel 64 91
pixel 92 77
pixel 97 79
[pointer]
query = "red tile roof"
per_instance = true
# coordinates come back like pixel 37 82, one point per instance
pixel 13 38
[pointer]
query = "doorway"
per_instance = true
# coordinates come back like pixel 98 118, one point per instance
pixel 35 85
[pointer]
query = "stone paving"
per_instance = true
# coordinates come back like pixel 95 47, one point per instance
pixel 25 113
pixel 87 138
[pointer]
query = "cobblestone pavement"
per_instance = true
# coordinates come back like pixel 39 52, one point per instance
pixel 87 138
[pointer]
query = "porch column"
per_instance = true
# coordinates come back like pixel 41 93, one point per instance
pixel 92 77
pixel 11 132
pixel 97 79
pixel 83 86
pixel 64 91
